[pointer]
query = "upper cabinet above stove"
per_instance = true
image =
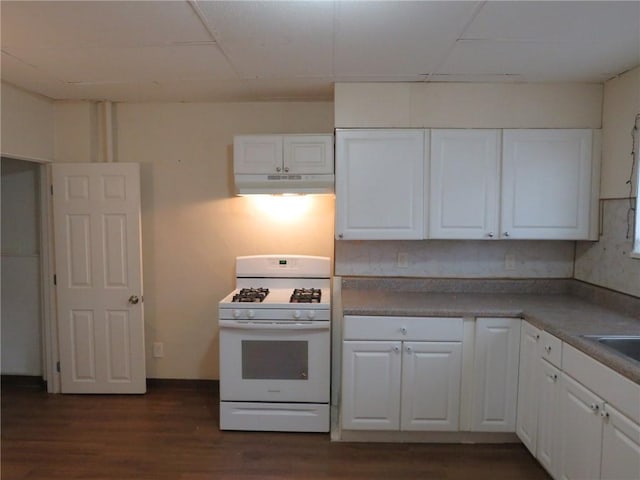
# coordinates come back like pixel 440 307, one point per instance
pixel 279 164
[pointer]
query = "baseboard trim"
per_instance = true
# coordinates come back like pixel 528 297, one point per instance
pixel 184 384
pixel 30 381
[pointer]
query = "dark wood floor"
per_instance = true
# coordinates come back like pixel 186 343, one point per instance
pixel 172 433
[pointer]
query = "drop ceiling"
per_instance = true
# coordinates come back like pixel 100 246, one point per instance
pixel 135 51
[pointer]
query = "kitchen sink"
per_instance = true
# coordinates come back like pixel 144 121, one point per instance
pixel 627 345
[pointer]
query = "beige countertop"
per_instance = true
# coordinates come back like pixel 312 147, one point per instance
pixel 565 316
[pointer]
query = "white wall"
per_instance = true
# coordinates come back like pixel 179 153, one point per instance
pixel 621 104
pixel 27 124
pixel 193 226
pixel 20 319
pixel 457 105
pixel 607 262
pixel 75 132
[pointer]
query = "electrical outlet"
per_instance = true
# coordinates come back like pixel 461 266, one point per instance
pixel 403 260
pixel 510 261
pixel 158 350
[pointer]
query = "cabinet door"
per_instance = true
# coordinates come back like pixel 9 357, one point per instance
pixel 431 374
pixel 371 374
pixel 546 184
pixel 255 154
pixel 379 184
pixel 580 431
pixel 620 446
pixel 495 388
pixel 549 406
pixel 310 154
pixel 528 387
pixel 464 184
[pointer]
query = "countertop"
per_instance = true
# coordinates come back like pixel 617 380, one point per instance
pixel 565 316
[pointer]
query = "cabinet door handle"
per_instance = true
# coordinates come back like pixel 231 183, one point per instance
pixel 594 407
pixel 553 377
pixel 604 414
pixel 396 349
pixel 505 234
pixel 548 348
pixel 403 330
pixel 278 169
pixel 408 349
pixel 490 234
pixel 286 169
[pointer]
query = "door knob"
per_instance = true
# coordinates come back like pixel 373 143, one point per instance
pixel 133 300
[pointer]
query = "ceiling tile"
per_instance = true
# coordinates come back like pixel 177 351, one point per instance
pixel 558 21
pixel 540 61
pixel 120 65
pixel 274 39
pixel 99 24
pixel 390 38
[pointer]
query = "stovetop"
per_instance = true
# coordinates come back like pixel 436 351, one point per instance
pixel 305 297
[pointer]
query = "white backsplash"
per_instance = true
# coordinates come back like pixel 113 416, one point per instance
pixel 607 262
pixel 456 258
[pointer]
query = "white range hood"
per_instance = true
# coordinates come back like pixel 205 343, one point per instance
pixel 283 164
pixel 284 184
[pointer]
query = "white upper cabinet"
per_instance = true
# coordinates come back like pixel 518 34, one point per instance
pixel 464 193
pixel 380 184
pixel 308 153
pixel 395 184
pixel 264 154
pixel 253 154
pixel 547 184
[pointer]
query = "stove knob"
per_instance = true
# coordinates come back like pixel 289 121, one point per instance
pixel 311 314
pixel 236 314
pixel 251 314
pixel 296 314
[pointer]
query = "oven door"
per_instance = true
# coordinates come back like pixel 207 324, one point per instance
pixel 271 361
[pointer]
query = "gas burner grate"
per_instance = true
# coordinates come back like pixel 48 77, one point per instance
pixel 306 295
pixel 251 295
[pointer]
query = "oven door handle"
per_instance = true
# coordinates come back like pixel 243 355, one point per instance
pixel 232 324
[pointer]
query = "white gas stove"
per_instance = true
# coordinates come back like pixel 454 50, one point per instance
pixel 274 345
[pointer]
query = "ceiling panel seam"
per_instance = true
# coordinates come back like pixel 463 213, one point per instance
pixel 446 54
pixel 203 19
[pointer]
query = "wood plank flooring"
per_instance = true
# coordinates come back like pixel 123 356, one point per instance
pixel 172 433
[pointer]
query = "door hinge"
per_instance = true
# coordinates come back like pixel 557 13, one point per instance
pixel 58 367
pixel 55 279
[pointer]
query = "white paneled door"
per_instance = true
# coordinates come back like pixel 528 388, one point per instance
pixel 96 208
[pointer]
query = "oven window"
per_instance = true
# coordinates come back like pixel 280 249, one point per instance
pixel 275 360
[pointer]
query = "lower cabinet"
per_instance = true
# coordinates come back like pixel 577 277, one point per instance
pixel 599 421
pixel 397 384
pixel 565 412
pixel 371 385
pixel 580 431
pixel 539 395
pixel 548 397
pixel 495 375
pixel 620 446
pixel 401 385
